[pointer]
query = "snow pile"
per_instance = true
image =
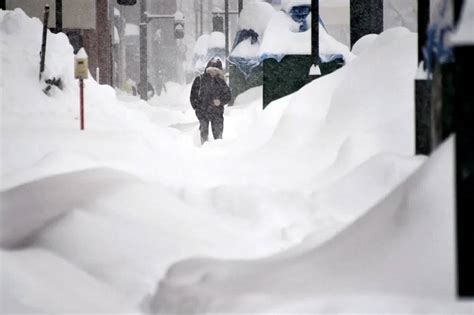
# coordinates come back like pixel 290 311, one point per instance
pixel 343 163
pixel 398 257
pixel 216 40
pixel 255 16
pixel 109 209
pixel 202 43
pixel 282 37
pixel 287 5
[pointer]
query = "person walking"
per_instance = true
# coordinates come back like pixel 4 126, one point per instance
pixel 209 94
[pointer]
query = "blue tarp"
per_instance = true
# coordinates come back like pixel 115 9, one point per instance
pixel 437 49
pixel 247 65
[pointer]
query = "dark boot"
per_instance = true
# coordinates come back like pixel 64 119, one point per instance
pixel 217 124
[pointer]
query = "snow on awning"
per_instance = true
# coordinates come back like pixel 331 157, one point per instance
pixel 132 29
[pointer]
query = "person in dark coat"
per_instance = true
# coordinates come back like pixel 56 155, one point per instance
pixel 209 94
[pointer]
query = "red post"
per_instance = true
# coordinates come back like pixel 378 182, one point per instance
pixel 81 86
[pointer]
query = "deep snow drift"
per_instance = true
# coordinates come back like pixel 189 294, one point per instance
pixel 92 220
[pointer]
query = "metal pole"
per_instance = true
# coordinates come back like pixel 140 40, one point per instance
pixel 196 26
pixel 201 16
pixel 464 127
pixel 43 41
pixel 315 31
pixel 226 29
pixel 59 16
pixel 142 85
pixel 81 89
pixel 241 5
pixel 423 21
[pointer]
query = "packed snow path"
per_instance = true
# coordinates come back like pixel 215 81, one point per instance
pixel 93 220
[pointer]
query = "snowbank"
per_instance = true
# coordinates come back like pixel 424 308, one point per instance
pixel 112 207
pixel 399 257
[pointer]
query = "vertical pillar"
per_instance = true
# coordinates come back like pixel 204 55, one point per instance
pixel 464 122
pixel 226 29
pixel 142 85
pixel 366 18
pixel 201 18
pixel 315 31
pixel 464 127
pixel 59 16
pixel 423 22
pixel 423 114
pixel 104 43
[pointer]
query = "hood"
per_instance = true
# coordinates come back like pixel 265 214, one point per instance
pixel 214 63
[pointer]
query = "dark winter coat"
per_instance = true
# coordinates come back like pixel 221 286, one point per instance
pixel 210 92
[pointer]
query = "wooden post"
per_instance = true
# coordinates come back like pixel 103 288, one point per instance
pixel 44 39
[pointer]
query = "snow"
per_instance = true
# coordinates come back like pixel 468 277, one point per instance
pixel 216 40
pixel 246 50
pixel 282 37
pixel 255 16
pixel 132 29
pixel 287 5
pixel 383 262
pixel 363 44
pixel 81 54
pixel 200 48
pixel 464 34
pixel 321 188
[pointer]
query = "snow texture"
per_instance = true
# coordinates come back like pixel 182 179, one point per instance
pixel 464 34
pixel 92 220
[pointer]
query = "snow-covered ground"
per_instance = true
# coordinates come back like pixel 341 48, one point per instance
pixel 315 205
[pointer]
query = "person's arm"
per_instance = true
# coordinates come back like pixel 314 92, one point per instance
pixel 194 97
pixel 224 92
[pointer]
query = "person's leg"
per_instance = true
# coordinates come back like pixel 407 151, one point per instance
pixel 204 128
pixel 217 126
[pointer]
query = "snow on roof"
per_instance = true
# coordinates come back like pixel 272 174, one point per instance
pixel 246 50
pixel 255 16
pixel 132 29
pixel 282 37
pixel 217 40
pixel 465 31
pixel 287 5
pixel 116 36
pixel 202 43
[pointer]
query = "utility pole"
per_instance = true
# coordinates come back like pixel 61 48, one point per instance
pixel 423 108
pixel 226 29
pixel 142 85
pixel 196 19
pixel 464 127
pixel 59 16
pixel 366 18
pixel 201 19
pixel 315 31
